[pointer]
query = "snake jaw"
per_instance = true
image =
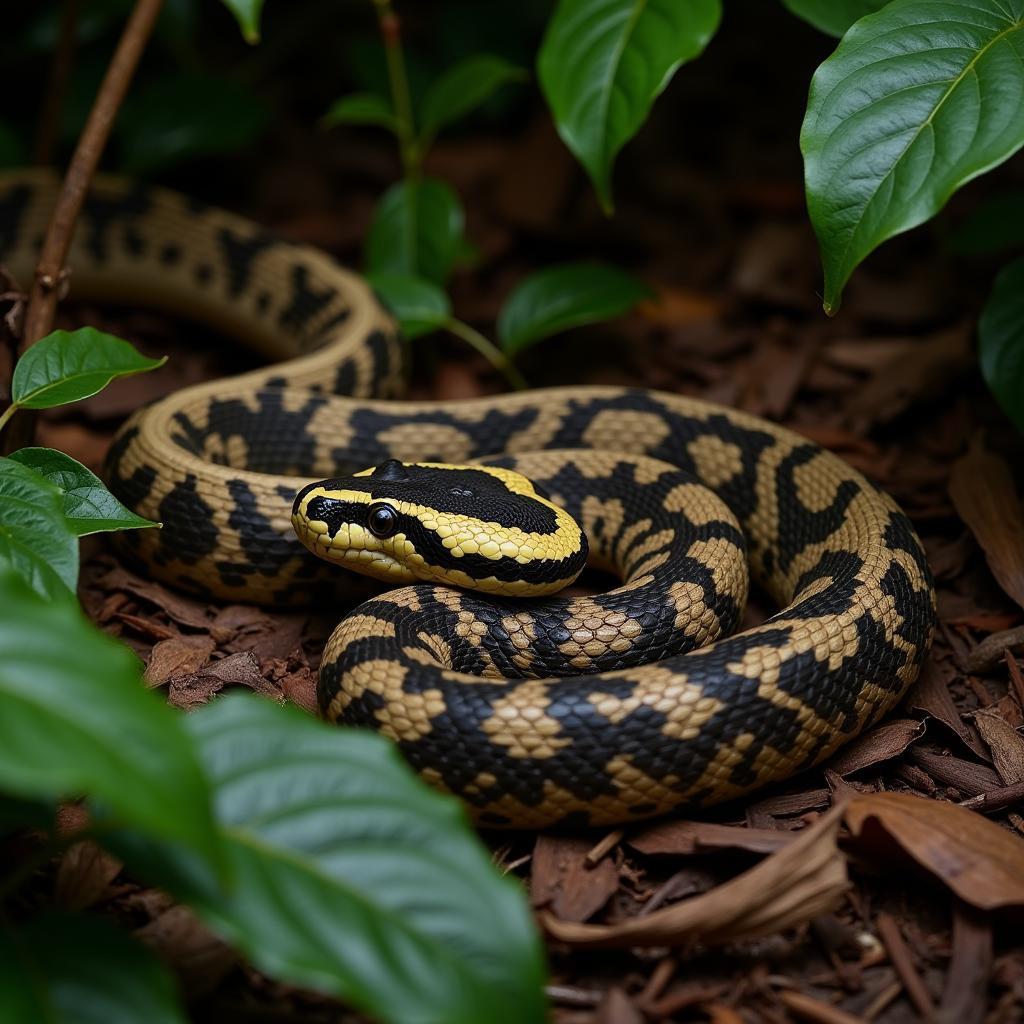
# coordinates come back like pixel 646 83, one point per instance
pixel 356 548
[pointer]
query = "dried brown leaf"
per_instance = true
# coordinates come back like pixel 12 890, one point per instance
pixel 991 651
pixel 180 609
pixel 981 862
pixel 931 695
pixel 792 886
pixel 985 496
pixel 177 656
pixel 880 744
pixel 1006 744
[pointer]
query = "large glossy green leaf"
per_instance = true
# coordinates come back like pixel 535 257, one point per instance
pixel 247 14
pixel 916 100
pixel 419 306
pixel 463 88
pixel 73 969
pixel 350 876
pixel 77 719
pixel 416 230
pixel 558 298
pixel 1001 341
pixel 35 538
pixel 833 16
pixel 68 365
pixel 88 506
pixel 186 115
pixel 603 63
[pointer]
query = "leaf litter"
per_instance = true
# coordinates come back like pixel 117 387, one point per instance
pixel 881 886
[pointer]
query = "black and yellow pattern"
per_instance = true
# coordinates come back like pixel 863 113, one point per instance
pixel 471 689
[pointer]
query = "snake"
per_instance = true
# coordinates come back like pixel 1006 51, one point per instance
pixel 576 708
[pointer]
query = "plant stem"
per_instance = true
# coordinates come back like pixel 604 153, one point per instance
pixel 391 34
pixel 50 271
pixel 51 274
pixel 7 414
pixel 489 350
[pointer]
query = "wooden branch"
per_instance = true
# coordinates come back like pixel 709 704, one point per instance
pixel 50 271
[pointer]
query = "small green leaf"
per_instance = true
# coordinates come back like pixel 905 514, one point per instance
pixel 35 538
pixel 995 226
pixel 351 877
pixel 603 63
pixel 88 506
pixel 68 365
pixel 463 88
pixel 558 298
pixel 78 720
pixel 74 969
pixel 1001 341
pixel 916 100
pixel 833 17
pixel 419 306
pixel 362 108
pixel 416 231
pixel 190 114
pixel 247 14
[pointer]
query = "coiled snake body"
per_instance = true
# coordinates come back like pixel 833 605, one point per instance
pixel 468 687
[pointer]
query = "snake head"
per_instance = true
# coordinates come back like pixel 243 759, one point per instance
pixel 479 527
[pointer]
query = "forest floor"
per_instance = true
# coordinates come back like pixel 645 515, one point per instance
pixel 891 385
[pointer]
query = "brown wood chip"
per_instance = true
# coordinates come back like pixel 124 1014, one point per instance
pixel 965 776
pixel 177 656
pixel 563 882
pixel 686 837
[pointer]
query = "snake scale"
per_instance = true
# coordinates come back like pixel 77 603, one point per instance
pixel 474 689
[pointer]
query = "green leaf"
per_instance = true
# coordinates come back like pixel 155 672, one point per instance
pixel 362 108
pixel 77 719
pixel 73 969
pixel 188 115
pixel 88 506
pixel 917 100
pixel 463 88
pixel 247 14
pixel 603 63
pixel 419 306
pixel 558 298
pixel 350 876
pixel 833 16
pixel 417 231
pixel 35 539
pixel 1001 341
pixel 995 226
pixel 68 365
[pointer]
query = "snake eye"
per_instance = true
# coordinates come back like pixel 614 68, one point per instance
pixel 382 519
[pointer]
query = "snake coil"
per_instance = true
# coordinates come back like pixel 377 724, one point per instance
pixel 220 464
